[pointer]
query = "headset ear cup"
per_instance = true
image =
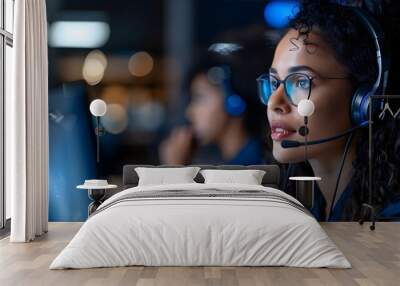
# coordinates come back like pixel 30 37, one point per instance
pixel 360 105
pixel 235 105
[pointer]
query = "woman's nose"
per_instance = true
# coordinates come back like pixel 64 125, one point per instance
pixel 279 102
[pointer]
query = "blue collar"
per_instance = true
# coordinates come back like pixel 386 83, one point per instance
pixel 318 209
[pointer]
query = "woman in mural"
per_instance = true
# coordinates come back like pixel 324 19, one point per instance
pixel 224 109
pixel 326 55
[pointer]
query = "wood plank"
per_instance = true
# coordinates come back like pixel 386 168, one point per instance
pixel 375 257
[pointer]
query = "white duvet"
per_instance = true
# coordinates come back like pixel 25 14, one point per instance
pixel 200 231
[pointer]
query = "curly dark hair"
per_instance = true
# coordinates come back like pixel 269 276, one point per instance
pixel 353 46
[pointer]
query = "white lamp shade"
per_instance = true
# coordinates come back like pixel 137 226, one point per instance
pixel 98 107
pixel 305 107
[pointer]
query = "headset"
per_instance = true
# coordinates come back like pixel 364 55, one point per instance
pixel 234 104
pixel 361 99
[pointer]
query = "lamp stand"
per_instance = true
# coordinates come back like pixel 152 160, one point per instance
pixel 99 131
pixel 97 140
pixel 367 209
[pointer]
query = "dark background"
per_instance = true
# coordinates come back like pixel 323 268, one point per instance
pixel 173 33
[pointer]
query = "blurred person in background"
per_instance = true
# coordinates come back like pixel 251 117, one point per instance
pixel 224 108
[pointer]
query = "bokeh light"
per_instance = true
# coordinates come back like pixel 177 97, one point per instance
pixel 225 48
pixel 116 94
pixel 116 119
pixel 278 13
pixel 79 34
pixel 148 116
pixel 94 67
pixel 141 64
pixel 216 75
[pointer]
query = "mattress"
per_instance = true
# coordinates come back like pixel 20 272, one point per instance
pixel 201 225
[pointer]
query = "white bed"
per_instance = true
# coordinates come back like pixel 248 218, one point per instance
pixel 248 226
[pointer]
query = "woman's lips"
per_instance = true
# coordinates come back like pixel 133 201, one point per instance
pixel 280 131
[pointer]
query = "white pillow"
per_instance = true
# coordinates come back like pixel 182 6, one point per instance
pixel 248 177
pixel 162 176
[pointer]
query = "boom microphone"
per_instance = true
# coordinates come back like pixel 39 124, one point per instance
pixel 293 144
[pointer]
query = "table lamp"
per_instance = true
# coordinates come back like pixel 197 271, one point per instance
pixel 305 186
pixel 98 108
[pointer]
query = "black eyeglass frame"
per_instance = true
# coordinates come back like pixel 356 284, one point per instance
pixel 267 76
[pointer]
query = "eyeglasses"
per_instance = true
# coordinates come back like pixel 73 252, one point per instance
pixel 297 86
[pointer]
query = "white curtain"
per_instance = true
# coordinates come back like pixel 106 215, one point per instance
pixel 27 123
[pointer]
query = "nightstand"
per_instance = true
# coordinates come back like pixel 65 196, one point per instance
pixel 305 189
pixel 96 194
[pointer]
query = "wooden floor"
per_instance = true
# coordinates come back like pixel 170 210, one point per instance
pixel 375 257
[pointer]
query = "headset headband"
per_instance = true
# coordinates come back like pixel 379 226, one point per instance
pixel 381 56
